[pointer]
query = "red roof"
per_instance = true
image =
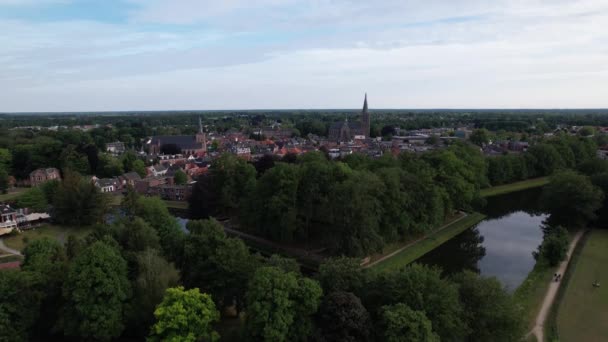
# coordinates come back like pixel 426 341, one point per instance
pixel 10 265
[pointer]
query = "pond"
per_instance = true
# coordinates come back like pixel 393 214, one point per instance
pixel 500 246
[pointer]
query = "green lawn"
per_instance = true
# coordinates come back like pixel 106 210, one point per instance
pixel 530 294
pixel 513 187
pixel 583 312
pixel 12 194
pixel 426 245
pixel 182 205
pixel 60 233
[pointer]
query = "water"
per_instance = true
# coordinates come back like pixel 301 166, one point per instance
pixel 500 246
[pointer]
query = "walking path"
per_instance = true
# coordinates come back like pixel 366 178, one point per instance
pixel 390 255
pixel 538 329
pixel 7 249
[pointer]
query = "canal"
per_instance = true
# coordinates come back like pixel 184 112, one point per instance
pixel 500 246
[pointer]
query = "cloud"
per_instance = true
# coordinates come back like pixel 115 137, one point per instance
pixel 319 53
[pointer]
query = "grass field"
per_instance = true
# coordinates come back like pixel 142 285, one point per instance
pixel 12 194
pixel 59 233
pixel 182 205
pixel 583 312
pixel 530 294
pixel 513 187
pixel 427 244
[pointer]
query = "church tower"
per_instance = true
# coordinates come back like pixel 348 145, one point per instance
pixel 365 122
pixel 201 137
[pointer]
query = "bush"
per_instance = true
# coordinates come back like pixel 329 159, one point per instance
pixel 554 247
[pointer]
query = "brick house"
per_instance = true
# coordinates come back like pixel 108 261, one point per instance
pixel 42 175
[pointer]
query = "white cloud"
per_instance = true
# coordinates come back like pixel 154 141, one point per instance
pixel 294 54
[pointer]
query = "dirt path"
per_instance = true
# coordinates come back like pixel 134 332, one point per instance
pixel 7 249
pixel 390 255
pixel 538 329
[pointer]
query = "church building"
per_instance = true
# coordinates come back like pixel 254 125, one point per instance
pixel 188 144
pixel 347 131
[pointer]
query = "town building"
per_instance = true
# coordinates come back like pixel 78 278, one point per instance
pixel 8 219
pixel 187 144
pixel 43 175
pixel 115 148
pixel 347 131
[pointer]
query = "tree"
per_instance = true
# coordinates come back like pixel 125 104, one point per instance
pixel 235 181
pixel 546 159
pixel 139 167
pixel 137 235
pixel 217 264
pixel 342 317
pixel 109 166
pixel 96 291
pixel 154 276
pixel 341 274
pixel 490 312
pixel 78 201
pixel 185 316
pixel 554 247
pixel 280 305
pixel 3 180
pixel 571 199
pixel 6 159
pixel 47 258
pixel 480 137
pixel 20 296
pixel 402 324
pixel 154 211
pixel 33 199
pixel 422 289
pixel 180 177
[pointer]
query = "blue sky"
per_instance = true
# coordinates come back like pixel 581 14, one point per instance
pixel 79 55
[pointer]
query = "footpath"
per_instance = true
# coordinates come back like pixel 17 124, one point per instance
pixel 538 329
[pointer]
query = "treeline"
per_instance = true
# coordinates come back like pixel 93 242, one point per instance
pixel 542 159
pixel 358 205
pixel 142 276
pixel 351 207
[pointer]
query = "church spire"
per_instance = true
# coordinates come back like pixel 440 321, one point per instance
pixel 365 103
pixel 200 125
pixel 365 120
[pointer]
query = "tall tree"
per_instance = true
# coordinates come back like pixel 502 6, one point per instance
pixel 402 324
pixel 96 291
pixel 341 274
pixel 342 317
pixel 20 295
pixel 154 211
pixel 185 316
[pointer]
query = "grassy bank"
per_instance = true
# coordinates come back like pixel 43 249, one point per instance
pixel 513 187
pixel 581 313
pixel 427 244
pixel 530 294
pixel 12 194
pixel 18 241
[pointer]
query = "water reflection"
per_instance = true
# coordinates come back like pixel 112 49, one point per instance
pixel 501 245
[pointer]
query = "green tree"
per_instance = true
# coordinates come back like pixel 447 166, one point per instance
pixel 154 211
pixel 3 180
pixel 480 137
pixel 554 247
pixel 402 324
pixel 180 177
pixel 140 167
pixel 33 199
pixel 109 166
pixel 154 276
pixel 46 258
pixel 185 316
pixel 490 312
pixel 341 274
pixel 78 202
pixel 6 158
pixel 280 305
pixel 342 317
pixel 571 199
pixel 20 295
pixel 546 159
pixel 96 291
pixel 235 180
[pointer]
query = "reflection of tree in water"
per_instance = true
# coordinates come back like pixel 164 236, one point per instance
pixel 526 201
pixel 463 252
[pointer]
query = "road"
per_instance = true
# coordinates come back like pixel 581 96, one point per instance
pixel 3 247
pixel 538 329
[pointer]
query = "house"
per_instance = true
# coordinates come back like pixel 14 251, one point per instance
pixel 128 178
pixel 174 192
pixel 115 148
pixel 42 175
pixel 146 186
pixel 8 219
pixel 157 170
pixel 107 184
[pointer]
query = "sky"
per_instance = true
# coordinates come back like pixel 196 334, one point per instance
pixel 103 55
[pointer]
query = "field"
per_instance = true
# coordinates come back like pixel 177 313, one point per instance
pixel 427 244
pixel 12 194
pixel 583 312
pixel 59 233
pixel 513 187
